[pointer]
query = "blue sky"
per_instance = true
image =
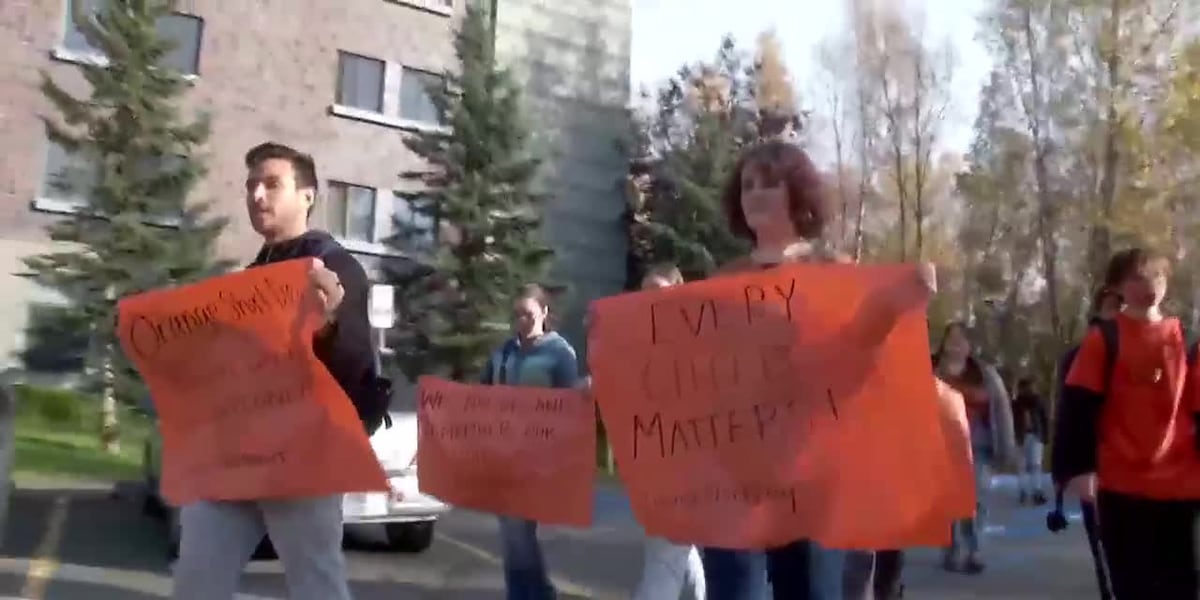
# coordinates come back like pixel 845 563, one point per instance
pixel 669 33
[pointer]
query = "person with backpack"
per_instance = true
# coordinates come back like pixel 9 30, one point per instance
pixel 989 416
pixel 219 536
pixel 1127 437
pixel 1031 428
pixel 1105 305
pixel 535 356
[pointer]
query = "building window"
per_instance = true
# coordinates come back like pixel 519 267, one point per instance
pixel 386 93
pixel 360 82
pixel 415 230
pixel 416 104
pixel 67 177
pixel 185 31
pixel 351 213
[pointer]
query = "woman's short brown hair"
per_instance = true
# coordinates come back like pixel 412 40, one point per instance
pixel 1127 263
pixel 780 161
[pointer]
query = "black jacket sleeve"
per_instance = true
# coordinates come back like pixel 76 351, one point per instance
pixel 1075 433
pixel 345 347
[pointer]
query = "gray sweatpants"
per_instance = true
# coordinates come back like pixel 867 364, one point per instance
pixel 218 539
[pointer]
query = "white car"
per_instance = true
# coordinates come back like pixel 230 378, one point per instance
pixel 406 515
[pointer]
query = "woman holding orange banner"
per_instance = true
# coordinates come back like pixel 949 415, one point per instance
pixel 535 357
pixel 989 415
pixel 774 199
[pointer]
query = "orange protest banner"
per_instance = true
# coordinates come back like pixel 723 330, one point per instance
pixel 245 408
pixel 518 451
pixel 957 500
pixel 753 410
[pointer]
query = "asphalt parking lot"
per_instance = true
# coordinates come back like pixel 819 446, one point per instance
pixel 94 544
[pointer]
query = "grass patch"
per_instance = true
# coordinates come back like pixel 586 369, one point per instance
pixel 57 442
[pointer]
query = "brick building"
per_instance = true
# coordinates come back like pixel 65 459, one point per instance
pixel 342 79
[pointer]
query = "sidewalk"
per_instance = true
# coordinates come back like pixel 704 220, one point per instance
pixel 1024 560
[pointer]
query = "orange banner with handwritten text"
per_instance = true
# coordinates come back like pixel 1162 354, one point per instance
pixel 954 498
pixel 245 409
pixel 753 410
pixel 517 451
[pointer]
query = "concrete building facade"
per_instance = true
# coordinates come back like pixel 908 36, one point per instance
pixel 342 79
pixel 573 59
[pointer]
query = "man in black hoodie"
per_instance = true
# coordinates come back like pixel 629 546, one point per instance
pixel 218 537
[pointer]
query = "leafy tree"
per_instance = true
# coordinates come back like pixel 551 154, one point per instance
pixel 480 190
pixel 134 228
pixel 774 94
pixel 683 154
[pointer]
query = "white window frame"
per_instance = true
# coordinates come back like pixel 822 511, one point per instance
pixel 380 98
pixel 375 229
pixel 393 73
pixel 384 226
pixel 95 57
pixel 432 6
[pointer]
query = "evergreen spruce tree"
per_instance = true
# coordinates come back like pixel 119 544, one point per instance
pixel 134 229
pixel 480 190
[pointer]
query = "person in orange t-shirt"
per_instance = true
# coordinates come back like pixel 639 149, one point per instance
pixel 1128 438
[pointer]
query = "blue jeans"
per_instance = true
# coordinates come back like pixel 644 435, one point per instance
pixel 968 533
pixel 734 574
pixel 801 570
pixel 525 574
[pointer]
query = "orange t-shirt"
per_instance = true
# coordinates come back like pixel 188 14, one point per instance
pixel 1146 433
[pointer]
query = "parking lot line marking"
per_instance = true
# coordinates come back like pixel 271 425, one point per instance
pixel 561 583
pixel 45 557
pixel 108 578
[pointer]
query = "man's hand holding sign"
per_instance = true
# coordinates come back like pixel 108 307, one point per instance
pixel 752 410
pixel 246 409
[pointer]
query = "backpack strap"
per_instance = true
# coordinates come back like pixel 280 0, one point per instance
pixel 500 376
pixel 1108 330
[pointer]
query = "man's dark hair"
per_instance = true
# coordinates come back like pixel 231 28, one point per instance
pixel 303 165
